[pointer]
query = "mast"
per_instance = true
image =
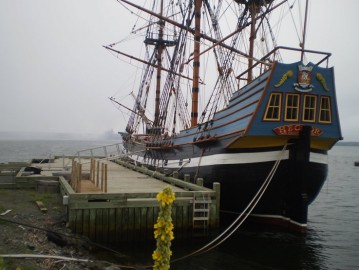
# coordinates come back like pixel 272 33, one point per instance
pixel 159 67
pixel 252 37
pixel 196 62
pixel 305 29
pixel 254 7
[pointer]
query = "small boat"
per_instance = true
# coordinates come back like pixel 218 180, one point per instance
pixel 219 99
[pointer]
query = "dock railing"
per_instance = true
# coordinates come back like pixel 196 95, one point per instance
pixel 108 152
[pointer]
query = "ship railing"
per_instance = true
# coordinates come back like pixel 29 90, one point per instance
pixel 265 63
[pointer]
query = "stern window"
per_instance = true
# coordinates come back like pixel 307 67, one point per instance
pixel 274 107
pixel 310 108
pixel 291 107
pixel 325 114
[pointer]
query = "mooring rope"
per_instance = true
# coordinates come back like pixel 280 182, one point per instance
pixel 211 245
pixel 222 237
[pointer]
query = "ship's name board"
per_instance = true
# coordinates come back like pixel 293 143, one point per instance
pixel 294 129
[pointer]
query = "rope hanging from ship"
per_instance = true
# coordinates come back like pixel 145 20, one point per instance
pixel 242 217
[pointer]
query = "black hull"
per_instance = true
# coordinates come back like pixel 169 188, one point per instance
pixel 294 186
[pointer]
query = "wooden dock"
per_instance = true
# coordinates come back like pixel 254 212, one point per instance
pixel 119 203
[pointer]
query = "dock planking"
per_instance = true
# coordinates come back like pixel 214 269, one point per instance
pixel 124 208
pixel 128 209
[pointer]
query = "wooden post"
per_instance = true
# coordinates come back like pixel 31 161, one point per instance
pixel 105 178
pixel 90 176
pixel 93 170
pixel 76 176
pixel 175 174
pixel 187 178
pixel 79 178
pixel 98 174
pixel 199 182
pixel 102 175
pixel 217 189
pixel 72 173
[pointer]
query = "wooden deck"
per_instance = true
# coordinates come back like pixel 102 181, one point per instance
pixel 123 207
pixel 127 208
pixel 119 178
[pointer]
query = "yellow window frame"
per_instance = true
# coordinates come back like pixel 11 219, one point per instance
pixel 291 109
pixel 327 110
pixel 309 109
pixel 274 107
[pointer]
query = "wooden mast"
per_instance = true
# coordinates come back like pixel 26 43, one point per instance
pixel 252 37
pixel 159 68
pixel 304 30
pixel 196 62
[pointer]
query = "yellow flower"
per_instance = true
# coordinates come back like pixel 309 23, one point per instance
pixel 156 233
pixel 160 223
pixel 163 232
pixel 156 256
pixel 166 196
pixel 171 235
pixel 169 228
pixel 159 196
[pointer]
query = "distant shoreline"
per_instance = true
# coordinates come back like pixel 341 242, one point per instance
pixel 347 143
pixel 109 135
pixel 48 136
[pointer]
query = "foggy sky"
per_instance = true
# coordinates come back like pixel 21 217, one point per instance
pixel 55 76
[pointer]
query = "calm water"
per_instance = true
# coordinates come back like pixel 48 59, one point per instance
pixel 16 150
pixel 332 241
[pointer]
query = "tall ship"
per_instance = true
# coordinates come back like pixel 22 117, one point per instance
pixel 217 96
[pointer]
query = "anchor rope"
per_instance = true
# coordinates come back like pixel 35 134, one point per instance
pixel 238 222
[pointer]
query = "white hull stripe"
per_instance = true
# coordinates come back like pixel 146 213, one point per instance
pixel 229 159
pixel 280 217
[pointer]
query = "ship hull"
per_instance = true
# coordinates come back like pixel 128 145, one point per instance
pixel 242 172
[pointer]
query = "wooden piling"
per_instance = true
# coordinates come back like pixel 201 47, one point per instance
pixel 98 174
pixel 105 174
pixel 217 206
pixel 79 177
pixel 92 170
pixel 102 175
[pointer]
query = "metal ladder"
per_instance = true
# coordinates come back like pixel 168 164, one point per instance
pixel 201 208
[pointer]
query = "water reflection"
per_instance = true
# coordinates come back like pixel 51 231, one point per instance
pixel 256 249
pixel 332 240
